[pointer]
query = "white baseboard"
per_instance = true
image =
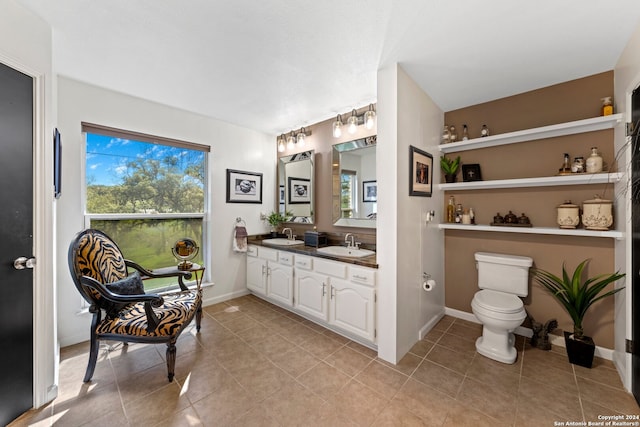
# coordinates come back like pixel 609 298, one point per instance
pixel 604 353
pixel 430 324
pixel 225 297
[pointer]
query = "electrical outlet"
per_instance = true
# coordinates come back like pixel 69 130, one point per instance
pixel 263 216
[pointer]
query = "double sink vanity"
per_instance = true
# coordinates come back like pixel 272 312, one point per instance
pixel 333 286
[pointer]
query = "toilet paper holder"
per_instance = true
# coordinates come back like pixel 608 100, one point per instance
pixel 426 276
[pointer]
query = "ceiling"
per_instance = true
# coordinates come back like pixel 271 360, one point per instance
pixel 276 65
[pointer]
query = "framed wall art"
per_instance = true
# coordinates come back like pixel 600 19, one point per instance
pixel 420 172
pixel 369 191
pixel 299 190
pixel 471 173
pixel 244 187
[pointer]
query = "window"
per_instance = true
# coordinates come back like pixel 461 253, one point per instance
pixel 145 192
pixel 348 197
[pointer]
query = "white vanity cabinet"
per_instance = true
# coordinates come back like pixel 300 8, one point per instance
pixel 270 273
pixel 338 295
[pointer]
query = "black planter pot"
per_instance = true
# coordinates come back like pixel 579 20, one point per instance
pixel 449 178
pixel 580 352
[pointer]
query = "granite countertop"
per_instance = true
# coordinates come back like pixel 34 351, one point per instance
pixel 369 261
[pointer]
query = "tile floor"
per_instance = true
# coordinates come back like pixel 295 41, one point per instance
pixel 254 364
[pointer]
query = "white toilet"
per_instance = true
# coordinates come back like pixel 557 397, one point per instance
pixel 502 280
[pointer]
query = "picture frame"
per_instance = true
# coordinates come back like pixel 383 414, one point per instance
pixel 299 190
pixel 57 164
pixel 369 191
pixel 281 194
pixel 420 172
pixel 244 187
pixel 471 173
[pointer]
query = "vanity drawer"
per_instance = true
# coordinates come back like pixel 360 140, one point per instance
pixel 304 262
pixel 362 275
pixel 285 258
pixel 252 251
pixel 268 254
pixel 336 269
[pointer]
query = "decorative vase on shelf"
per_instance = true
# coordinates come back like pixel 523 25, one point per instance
pixel 568 215
pixel 597 214
pixel 594 161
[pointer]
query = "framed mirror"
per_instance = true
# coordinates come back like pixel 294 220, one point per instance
pixel 296 191
pixel 354 183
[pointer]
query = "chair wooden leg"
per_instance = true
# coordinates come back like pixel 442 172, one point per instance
pixel 171 358
pixel 93 352
pixel 198 317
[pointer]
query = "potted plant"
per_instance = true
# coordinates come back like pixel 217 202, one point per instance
pixel 275 219
pixel 450 168
pixel 576 296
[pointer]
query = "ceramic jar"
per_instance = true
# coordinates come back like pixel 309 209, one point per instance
pixel 568 215
pixel 594 161
pixel 597 214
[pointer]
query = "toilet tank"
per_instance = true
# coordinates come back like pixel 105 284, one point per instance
pixel 503 273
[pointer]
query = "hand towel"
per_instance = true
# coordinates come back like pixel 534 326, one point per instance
pixel 240 239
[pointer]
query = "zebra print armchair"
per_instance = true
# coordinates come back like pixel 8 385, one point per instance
pixel 121 310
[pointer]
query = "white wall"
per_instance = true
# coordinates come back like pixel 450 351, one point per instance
pixel 231 147
pixel 25 45
pixel 626 79
pixel 407 116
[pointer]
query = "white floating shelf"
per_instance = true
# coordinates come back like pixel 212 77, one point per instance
pixel 534 230
pixel 547 181
pixel 551 131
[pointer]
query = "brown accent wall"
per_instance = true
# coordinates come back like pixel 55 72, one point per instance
pixel 574 100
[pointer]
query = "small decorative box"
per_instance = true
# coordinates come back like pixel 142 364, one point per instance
pixel 315 239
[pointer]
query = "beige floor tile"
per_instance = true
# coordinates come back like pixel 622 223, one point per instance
pixel 497 375
pixel 204 380
pixel 321 346
pixel 358 403
pixel 240 323
pixel 406 365
pixel 600 373
pixel 36 417
pixel 256 417
pixel 337 337
pixel 362 349
pixel 224 406
pixel 608 397
pixel 421 348
pixel 261 382
pixel 467 330
pixel 298 333
pixel 143 383
pixel 292 405
pixel 425 402
pixel 230 313
pixel 134 358
pixel 538 395
pixel 90 398
pixel 592 411
pixel 439 377
pixel 459 344
pixel 542 359
pixel 185 418
pixel 263 316
pixel 444 323
pixel 325 416
pixel 166 402
pixel 348 361
pixel 556 378
pixel 324 380
pixel 488 400
pixel 434 335
pixel 458 362
pixel 280 322
pixel 395 414
pixel 216 308
pixel 384 380
pixel 254 334
pixel 295 361
pixel 272 345
pixel 529 415
pixel 462 416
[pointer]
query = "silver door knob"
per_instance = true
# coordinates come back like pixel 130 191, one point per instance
pixel 24 262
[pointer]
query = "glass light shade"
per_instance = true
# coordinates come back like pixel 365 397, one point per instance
pixel 280 145
pixel 352 123
pixel 337 127
pixel 301 138
pixel 369 119
pixel 291 141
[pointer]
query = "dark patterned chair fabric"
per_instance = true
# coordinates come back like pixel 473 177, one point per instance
pixel 96 263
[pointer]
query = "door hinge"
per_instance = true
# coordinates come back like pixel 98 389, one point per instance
pixel 375 297
pixel 375 333
pixel 630 347
pixel 629 128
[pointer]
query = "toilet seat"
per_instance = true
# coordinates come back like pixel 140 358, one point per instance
pixel 498 302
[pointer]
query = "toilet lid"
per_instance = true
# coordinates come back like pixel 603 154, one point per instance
pixel 498 301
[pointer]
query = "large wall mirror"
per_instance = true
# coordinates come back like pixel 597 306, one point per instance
pixel 354 183
pixel 296 187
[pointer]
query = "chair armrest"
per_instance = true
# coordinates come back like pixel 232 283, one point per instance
pixel 181 275
pixel 149 300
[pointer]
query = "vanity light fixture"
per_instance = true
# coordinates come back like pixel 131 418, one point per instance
pixel 352 122
pixel 337 127
pixel 370 117
pixel 281 143
pixel 291 141
pixel 301 137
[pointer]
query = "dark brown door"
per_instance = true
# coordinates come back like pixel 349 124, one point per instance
pixel 635 244
pixel 16 243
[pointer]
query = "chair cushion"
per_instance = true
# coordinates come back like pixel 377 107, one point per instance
pixel 177 310
pixel 130 285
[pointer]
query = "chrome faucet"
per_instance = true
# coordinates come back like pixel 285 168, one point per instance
pixel 290 235
pixel 351 243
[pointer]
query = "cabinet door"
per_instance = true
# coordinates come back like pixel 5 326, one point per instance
pixel 280 283
pixel 311 293
pixel 352 308
pixel 256 275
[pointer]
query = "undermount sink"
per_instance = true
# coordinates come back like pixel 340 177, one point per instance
pixel 279 241
pixel 343 251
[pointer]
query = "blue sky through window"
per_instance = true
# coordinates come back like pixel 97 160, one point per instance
pixel 107 157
